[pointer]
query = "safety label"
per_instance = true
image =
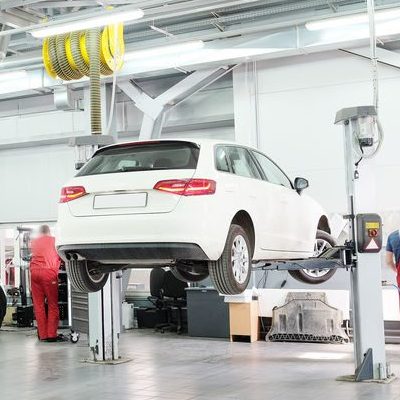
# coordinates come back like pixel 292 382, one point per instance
pixel 372 245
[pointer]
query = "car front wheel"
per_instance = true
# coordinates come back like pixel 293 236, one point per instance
pixel 231 273
pixel 316 276
pixel 85 277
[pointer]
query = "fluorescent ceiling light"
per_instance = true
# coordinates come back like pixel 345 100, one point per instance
pixel 164 50
pixel 88 23
pixel 349 20
pixel 13 75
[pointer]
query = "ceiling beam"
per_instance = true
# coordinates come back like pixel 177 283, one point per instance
pixel 16 19
pixel 89 3
pixel 286 42
pixel 158 11
pixel 386 57
pixel 7 4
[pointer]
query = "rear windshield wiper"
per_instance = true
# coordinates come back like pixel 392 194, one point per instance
pixel 130 169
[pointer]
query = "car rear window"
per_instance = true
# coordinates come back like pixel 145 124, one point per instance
pixel 143 157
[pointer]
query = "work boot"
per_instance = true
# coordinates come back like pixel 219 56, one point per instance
pixel 59 338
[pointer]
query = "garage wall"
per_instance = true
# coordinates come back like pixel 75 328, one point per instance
pixel 31 177
pixel 297 100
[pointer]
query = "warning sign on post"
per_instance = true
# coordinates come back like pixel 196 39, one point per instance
pixel 369 233
pixel 372 245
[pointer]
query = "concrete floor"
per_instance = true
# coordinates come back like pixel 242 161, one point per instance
pixel 180 368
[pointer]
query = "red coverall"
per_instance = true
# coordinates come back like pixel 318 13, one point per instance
pixel 44 268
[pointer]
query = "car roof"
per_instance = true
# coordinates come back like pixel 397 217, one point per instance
pixel 199 141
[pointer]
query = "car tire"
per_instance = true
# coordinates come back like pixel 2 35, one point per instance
pixel 83 278
pixel 3 306
pixel 188 276
pixel 230 278
pixel 316 276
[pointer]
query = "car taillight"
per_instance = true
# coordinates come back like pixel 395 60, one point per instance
pixel 187 187
pixel 70 193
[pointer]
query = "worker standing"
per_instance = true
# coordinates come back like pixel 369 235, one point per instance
pixel 44 267
pixel 393 253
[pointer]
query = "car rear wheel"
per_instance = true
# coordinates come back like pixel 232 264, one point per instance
pixel 323 241
pixel 85 277
pixel 231 273
pixel 3 305
pixel 188 276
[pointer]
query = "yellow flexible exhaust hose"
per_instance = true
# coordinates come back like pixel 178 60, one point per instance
pixel 63 61
pixel 67 57
pixel 93 38
pixel 91 53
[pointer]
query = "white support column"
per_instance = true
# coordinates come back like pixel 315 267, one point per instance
pixel 246 104
pixel 105 320
pixel 152 128
pixel 17 260
pixel 366 287
pixel 366 280
pixel 106 98
pixel 155 110
pixel 86 107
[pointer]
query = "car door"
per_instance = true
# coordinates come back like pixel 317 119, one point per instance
pixel 242 182
pixel 284 216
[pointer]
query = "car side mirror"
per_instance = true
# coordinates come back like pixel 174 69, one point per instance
pixel 301 184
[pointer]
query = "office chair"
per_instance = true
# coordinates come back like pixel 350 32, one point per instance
pixel 167 293
pixel 157 277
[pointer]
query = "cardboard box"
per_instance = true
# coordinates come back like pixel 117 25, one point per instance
pixel 244 321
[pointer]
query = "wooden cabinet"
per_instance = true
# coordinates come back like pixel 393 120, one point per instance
pixel 243 319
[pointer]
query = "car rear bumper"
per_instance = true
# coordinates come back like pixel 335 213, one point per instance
pixel 133 252
pixel 191 225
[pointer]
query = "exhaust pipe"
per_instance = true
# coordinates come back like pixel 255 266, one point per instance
pixel 73 257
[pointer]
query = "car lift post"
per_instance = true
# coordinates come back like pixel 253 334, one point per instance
pixel 105 309
pixel 366 290
pixel 105 306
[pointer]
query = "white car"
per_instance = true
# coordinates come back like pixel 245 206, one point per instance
pixel 201 207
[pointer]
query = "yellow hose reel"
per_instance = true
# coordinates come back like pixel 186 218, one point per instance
pixel 66 56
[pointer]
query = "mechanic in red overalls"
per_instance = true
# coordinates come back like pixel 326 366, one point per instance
pixel 44 267
pixel 393 253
